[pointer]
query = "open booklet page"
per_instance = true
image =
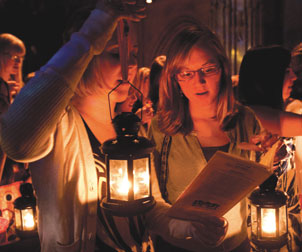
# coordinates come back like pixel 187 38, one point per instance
pixel 224 181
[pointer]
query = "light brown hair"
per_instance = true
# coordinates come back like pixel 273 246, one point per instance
pixel 173 109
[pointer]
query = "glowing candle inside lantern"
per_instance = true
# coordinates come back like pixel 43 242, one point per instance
pixel 141 181
pixel 28 219
pixel 123 185
pixel 119 184
pixel 268 225
pixel 141 178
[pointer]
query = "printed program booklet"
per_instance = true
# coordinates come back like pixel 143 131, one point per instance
pixel 224 182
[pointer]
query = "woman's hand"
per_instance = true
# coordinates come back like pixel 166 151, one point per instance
pixel 102 22
pixel 123 9
pixel 261 143
pixel 14 88
pixel 146 112
pixel 209 231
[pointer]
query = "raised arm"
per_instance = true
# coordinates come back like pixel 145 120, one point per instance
pixel 279 122
pixel 26 128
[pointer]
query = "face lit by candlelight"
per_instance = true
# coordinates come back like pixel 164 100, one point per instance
pixel 201 89
pixel 110 67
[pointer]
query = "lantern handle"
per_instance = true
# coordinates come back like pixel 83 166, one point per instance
pixel 122 35
pixel 112 90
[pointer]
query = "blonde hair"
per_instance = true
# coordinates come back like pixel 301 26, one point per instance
pixel 173 108
pixel 140 82
pixel 10 44
pixel 92 79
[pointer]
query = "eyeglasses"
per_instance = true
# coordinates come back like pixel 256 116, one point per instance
pixel 206 71
pixel 15 58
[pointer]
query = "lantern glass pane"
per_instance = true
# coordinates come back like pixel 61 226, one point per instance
pixel 254 219
pixel 141 178
pixel 282 221
pixel 119 184
pixel 28 219
pixel 268 222
pixel 18 219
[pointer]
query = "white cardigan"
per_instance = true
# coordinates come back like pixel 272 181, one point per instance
pixel 65 182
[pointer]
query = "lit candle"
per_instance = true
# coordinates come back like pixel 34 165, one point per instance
pixel 268 225
pixel 141 182
pixel 28 219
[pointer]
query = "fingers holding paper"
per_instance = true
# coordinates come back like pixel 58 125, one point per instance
pixel 261 142
pixel 209 231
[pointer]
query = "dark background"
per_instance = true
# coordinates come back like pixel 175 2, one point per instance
pixel 41 23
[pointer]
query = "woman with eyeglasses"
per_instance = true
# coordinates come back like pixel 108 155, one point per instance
pixel 12 52
pixel 197 115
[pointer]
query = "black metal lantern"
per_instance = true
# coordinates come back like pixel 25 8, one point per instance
pixel 25 212
pixel 269 228
pixel 128 156
pixel 128 168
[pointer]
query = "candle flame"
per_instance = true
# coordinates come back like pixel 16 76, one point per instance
pixel 28 219
pixel 269 222
pixel 123 187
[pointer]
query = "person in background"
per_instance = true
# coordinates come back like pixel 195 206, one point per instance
pixel 297 60
pixel 196 116
pixel 155 72
pixel 28 77
pixel 58 122
pixel 142 82
pixel 266 79
pixel 295 105
pixel 138 101
pixel 12 53
pixel 148 80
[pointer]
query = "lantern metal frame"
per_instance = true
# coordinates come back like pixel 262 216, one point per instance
pixel 128 147
pixel 265 198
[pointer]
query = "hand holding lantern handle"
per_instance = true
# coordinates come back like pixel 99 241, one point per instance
pixel 123 30
pixel 123 9
pixel 123 40
pixel 115 9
